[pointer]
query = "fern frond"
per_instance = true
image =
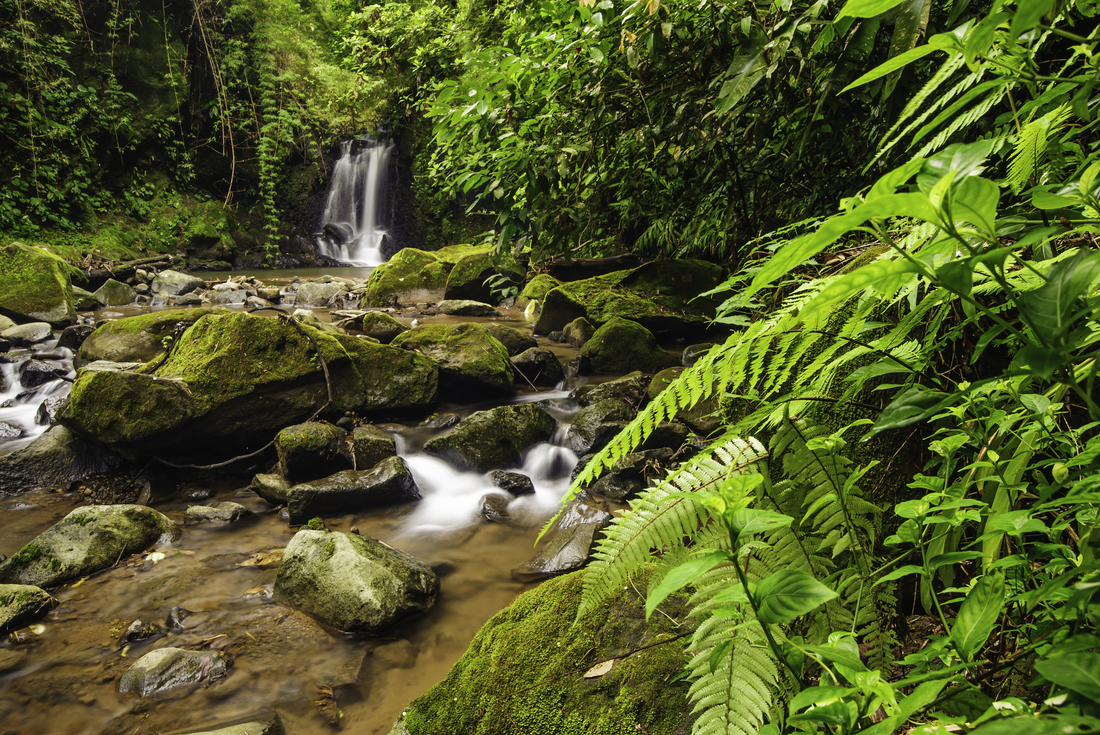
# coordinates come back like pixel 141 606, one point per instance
pixel 1031 143
pixel 963 122
pixel 735 697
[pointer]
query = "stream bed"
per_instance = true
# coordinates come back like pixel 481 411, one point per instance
pixel 61 676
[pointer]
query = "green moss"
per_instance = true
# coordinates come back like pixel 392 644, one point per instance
pixel 316 524
pixel 536 289
pixel 26 555
pixel 524 670
pixel 414 275
pixel 34 281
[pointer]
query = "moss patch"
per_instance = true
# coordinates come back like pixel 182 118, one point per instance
pixel 35 285
pixel 524 671
pixel 416 275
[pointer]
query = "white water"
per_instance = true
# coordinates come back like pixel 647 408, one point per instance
pixel 358 183
pixel 24 402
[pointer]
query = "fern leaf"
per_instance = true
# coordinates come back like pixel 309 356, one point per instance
pixel 1030 145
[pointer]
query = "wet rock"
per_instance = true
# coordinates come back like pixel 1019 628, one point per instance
pixel 35 286
pixel 113 293
pixel 304 316
pixel 539 365
pixel 494 507
pixel 175 618
pixel 55 459
pixel 353 583
pixel 34 373
pixel 564 550
pixel 87 540
pixel 48 410
pixel 671 435
pixel 470 360
pixel 139 630
pixel 254 302
pixel 225 512
pixel 73 337
pixel 191 492
pixel 595 425
pixel 512 483
pixel 267 724
pixel 557 336
pixel 26 335
pixel 578 331
pixel 84 300
pixel 370 445
pixel 376 324
pixel 21 604
pixel 311 450
pixel 493 439
pixel 272 488
pixel 644 465
pixel 188 299
pixel 268 293
pixel 168 668
pixel 10 660
pixel 138 338
pixel 535 290
pixel 173 283
pixel 10 431
pixel 224 298
pixel 389 483
pixel 630 388
pixel 347 684
pixel 622 345
pixel 314 294
pixel 616 487
pixel 465 307
pixel 5 323
pixel 692 353
pixel 703 417
pixel 238 380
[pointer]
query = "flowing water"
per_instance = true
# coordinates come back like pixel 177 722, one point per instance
pixel 63 677
pixel 353 232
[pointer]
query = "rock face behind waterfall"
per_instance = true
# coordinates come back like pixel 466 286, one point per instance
pixel 236 379
pixel 353 583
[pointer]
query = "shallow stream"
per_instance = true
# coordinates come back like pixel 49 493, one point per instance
pixel 62 676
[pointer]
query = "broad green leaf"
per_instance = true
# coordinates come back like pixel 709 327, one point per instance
pixel 978 615
pixel 1042 362
pixel 745 523
pixel 975 201
pixel 909 25
pixel 952 557
pixel 1035 402
pixel 744 73
pixel 840 656
pixel 1041 199
pixel 900 572
pixel 891 65
pixel 818 695
pixel 960 159
pixel 720 651
pixel 1027 725
pixel 788 593
pixel 1018 522
pixel 1078 672
pixel 957 276
pixel 681 576
pixel 867 8
pixel 835 714
pixel 1047 309
pixel 922 696
pixel 915 404
pixel 1027 16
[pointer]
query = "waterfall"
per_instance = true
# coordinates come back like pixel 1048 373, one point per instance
pixel 351 231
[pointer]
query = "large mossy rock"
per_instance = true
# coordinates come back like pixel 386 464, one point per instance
pixel 413 275
pixel 353 583
pixel 488 440
pixel 87 540
pixel 35 286
pixel 56 458
pixel 389 483
pixel 469 278
pixel 661 296
pixel 138 338
pixel 623 346
pixel 235 379
pixel 22 603
pixel 470 360
pixel 536 289
pixel 525 671
pixel 597 424
pixel 309 451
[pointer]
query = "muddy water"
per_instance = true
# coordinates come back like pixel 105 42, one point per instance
pixel 63 677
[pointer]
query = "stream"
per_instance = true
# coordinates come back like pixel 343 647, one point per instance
pixel 61 676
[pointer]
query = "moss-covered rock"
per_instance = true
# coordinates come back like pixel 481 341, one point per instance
pixel 271 487
pixel 579 331
pixel 87 540
pixel 466 307
pixel 370 445
pixel 138 338
pixel 353 583
pixel 595 425
pixel 470 277
pixel 375 324
pixel 22 603
pixel 470 360
pixel 35 286
pixel 536 289
pixel 240 378
pixel 309 451
pixel 630 388
pixel 526 671
pixel 499 437
pixel 389 482
pixel 413 275
pixel 661 296
pixel 622 346
pixel 514 340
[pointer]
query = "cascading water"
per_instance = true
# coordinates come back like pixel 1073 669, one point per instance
pixel 352 232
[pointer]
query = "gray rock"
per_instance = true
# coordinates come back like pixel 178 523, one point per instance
pixel 224 298
pixel 48 410
pixel 305 316
pixel 513 339
pixel 25 335
pixel 6 323
pixel 311 450
pixel 370 445
pixel 272 488
pixel 465 307
pixel 72 337
pixel 168 668
pixel 10 431
pixel 266 724
pixel 353 583
pixel 317 294
pixel 113 293
pixel 492 439
pixel 616 487
pixel 139 630
pixel 703 417
pixel 512 483
pixel 226 512
pixel 188 299
pixel 174 283
pixel 34 373
pixel 565 550
pixel 389 483
pixel 630 388
pixel 55 459
pixel 595 425
pixel 87 540
pixel 494 507
pixel 578 331
pixel 377 324
pixel 538 365
pixel 692 353
pixel 84 300
pixel 20 604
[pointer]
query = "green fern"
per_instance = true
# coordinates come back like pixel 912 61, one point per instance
pixel 1031 143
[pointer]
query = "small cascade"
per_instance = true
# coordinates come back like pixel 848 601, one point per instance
pixel 21 415
pixel 352 232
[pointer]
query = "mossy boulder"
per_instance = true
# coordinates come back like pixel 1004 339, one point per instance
pixel 413 275
pixel 630 388
pixel 538 365
pixel 470 360
pixel 271 487
pixel 22 603
pixel 514 340
pixel 370 445
pixel 55 458
pixel 138 338
pixel 376 324
pixel 87 540
pixel 309 451
pixel 492 439
pixel 466 307
pixel 595 425
pixel 114 293
pixel 526 670
pixel 622 346
pixel 536 289
pixel 35 286
pixel 469 279
pixel 235 379
pixel 661 296
pixel 388 483
pixel 353 583
pixel 579 331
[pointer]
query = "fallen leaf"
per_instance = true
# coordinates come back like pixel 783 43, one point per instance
pixel 599 670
